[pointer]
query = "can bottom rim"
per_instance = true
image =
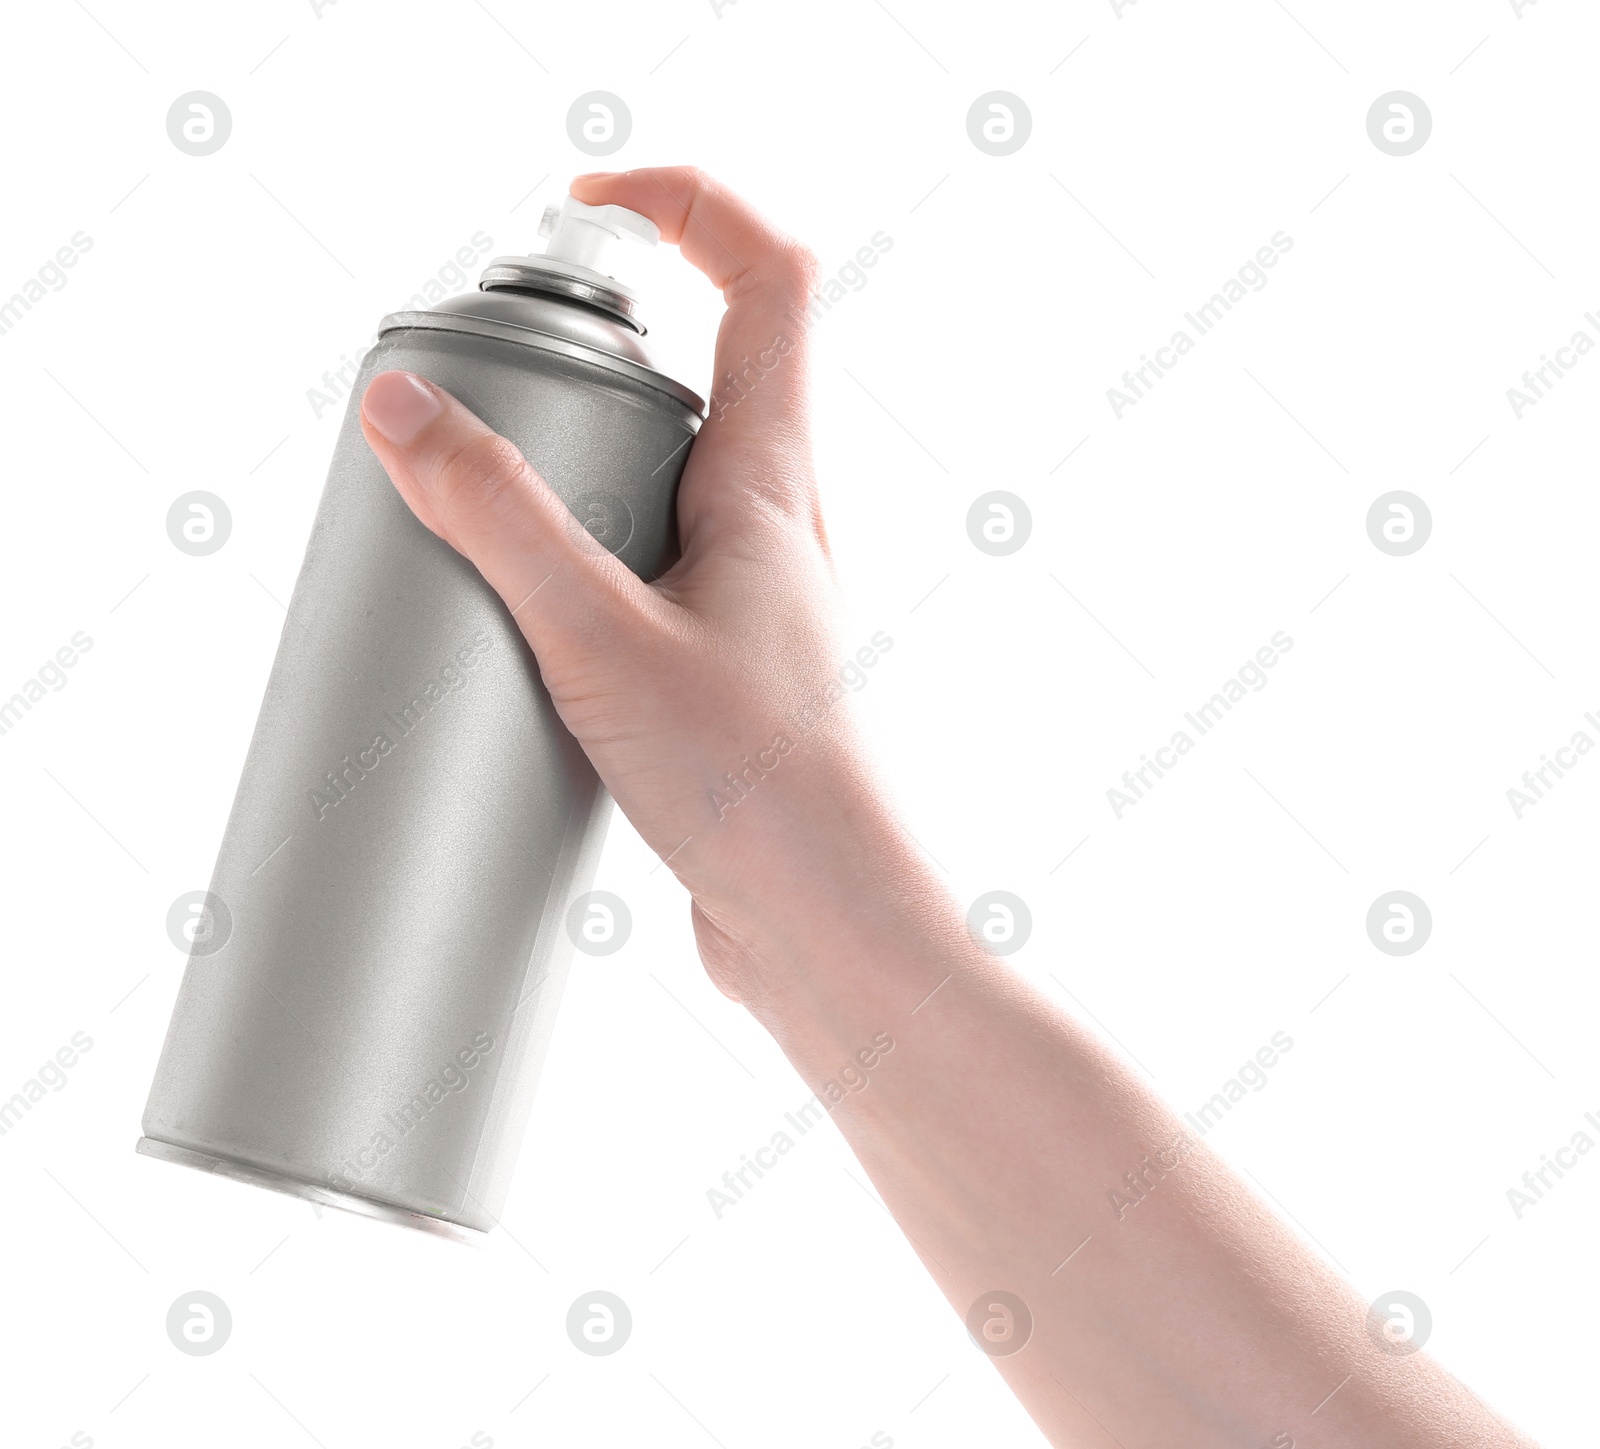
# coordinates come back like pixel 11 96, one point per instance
pixel 297 1187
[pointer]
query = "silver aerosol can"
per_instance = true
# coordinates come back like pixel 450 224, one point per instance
pixel 378 961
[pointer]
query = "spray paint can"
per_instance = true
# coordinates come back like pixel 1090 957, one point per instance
pixel 377 966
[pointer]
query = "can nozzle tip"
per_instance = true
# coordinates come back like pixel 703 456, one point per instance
pixel 579 233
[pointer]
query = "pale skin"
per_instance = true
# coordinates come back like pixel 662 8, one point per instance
pixel 997 1128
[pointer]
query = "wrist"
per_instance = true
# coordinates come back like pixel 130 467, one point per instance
pixel 827 906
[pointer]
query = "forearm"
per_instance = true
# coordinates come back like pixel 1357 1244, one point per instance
pixel 998 1131
pixel 995 1127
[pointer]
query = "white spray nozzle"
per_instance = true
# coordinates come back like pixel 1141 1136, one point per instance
pixel 579 233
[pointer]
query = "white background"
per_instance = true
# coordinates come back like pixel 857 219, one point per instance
pixel 372 141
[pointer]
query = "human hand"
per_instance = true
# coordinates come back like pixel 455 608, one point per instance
pixel 994 1126
pixel 675 687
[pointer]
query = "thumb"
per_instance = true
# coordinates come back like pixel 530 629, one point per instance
pixel 477 492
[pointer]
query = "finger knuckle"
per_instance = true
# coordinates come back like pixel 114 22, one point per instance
pixel 478 476
pixel 799 264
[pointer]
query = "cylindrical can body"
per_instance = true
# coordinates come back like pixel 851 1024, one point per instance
pixel 368 1003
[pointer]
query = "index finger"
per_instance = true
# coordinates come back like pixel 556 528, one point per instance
pixel 718 232
pixel 759 391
